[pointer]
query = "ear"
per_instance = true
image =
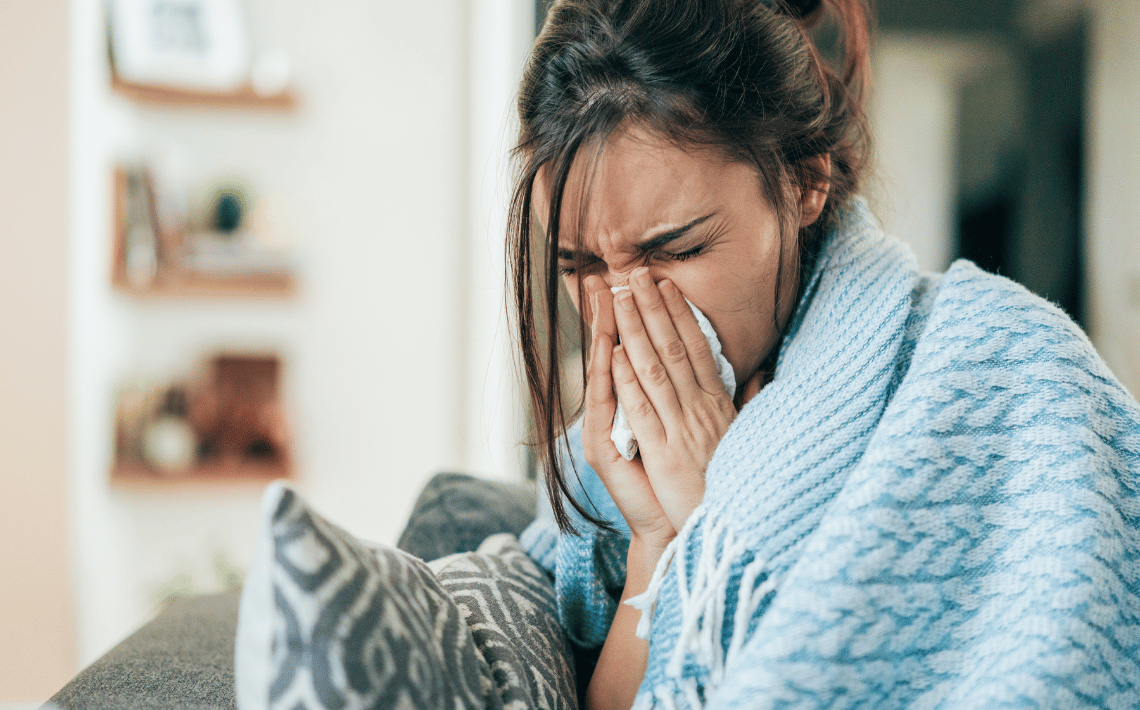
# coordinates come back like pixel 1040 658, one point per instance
pixel 812 202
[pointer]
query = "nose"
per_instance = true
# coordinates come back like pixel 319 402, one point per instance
pixel 615 279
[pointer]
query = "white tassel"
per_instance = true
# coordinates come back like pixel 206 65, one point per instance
pixel 702 609
pixel 646 602
pixel 690 690
pixel 702 605
pixel 747 601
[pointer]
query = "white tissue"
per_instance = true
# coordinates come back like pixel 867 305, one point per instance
pixel 621 434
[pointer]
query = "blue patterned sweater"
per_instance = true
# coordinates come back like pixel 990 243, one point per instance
pixel 934 504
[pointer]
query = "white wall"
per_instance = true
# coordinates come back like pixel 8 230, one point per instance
pixel 1113 147
pixel 501 33
pixel 914 114
pixel 376 170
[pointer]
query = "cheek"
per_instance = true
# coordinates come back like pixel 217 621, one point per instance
pixel 739 304
pixel 572 285
pixel 742 344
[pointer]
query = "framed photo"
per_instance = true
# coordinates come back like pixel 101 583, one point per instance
pixel 193 44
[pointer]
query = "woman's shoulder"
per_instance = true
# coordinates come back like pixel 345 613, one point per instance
pixel 993 316
pixel 982 332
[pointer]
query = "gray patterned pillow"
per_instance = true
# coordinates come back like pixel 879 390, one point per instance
pixel 328 622
pixel 509 605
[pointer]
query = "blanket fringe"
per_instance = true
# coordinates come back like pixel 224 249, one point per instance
pixel 702 602
pixel 702 606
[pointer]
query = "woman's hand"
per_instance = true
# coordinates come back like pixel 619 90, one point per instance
pixel 665 376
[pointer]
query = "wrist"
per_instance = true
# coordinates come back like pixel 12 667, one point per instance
pixel 652 543
pixel 641 560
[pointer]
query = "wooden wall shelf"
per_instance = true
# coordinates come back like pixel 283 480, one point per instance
pixel 192 285
pixel 171 282
pixel 242 98
pixel 131 474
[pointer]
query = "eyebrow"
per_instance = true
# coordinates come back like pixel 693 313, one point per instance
pixel 655 242
pixel 672 235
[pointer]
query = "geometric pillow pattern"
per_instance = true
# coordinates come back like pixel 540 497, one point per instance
pixel 509 605
pixel 350 626
pixel 329 622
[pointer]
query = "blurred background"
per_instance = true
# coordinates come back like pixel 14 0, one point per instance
pixel 252 239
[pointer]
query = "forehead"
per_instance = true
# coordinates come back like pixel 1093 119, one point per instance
pixel 636 183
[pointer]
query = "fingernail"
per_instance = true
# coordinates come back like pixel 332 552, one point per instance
pixel 667 289
pixel 619 353
pixel 642 279
pixel 625 300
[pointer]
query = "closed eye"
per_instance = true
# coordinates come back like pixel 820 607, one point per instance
pixel 569 267
pixel 684 255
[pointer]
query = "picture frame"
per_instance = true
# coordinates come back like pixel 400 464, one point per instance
pixel 191 44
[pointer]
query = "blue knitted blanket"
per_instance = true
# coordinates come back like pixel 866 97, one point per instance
pixel 934 504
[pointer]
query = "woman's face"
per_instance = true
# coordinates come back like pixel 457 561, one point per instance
pixel 688 216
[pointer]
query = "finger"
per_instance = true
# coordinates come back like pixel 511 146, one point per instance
pixel 603 309
pixel 591 285
pixel 704 365
pixel 650 371
pixel 643 418
pixel 599 382
pixel 658 322
pixel 600 400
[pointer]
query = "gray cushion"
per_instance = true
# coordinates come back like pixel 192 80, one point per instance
pixel 328 622
pixel 185 657
pixel 508 602
pixel 182 659
pixel 456 512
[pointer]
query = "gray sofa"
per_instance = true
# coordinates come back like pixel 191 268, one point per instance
pixel 185 657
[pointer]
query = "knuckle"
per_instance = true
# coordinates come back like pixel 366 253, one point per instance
pixel 654 374
pixel 625 376
pixel 677 307
pixel 727 408
pixel 712 419
pixel 655 305
pixel 643 409
pixel 674 301
pixel 674 351
pixel 630 323
pixel 596 396
pixel 702 355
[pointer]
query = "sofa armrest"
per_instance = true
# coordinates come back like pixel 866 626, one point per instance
pixel 182 659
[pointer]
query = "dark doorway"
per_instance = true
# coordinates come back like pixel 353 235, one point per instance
pixel 1024 218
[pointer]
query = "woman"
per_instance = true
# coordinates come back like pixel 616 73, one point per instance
pixel 924 492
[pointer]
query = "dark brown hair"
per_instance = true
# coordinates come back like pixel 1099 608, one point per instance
pixel 743 77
